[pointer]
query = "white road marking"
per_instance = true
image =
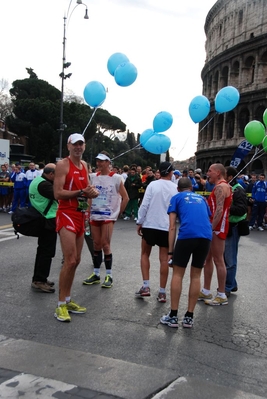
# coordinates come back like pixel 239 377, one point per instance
pixel 31 387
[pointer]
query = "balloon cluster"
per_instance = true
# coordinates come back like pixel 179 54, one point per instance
pixel 255 132
pixel 152 140
pixel 124 72
pixel 226 99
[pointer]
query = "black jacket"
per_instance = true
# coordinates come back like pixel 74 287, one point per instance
pixel 239 203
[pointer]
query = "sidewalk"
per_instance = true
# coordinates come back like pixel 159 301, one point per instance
pixel 36 370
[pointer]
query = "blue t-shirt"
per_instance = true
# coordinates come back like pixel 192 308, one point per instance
pixel 194 215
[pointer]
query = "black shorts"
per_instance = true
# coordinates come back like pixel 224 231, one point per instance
pixel 197 247
pixel 156 237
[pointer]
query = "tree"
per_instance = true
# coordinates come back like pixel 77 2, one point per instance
pixel 36 110
pixel 6 106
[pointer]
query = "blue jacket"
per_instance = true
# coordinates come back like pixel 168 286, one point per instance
pixel 19 180
pixel 259 191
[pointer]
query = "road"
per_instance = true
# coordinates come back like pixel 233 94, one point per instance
pixel 119 347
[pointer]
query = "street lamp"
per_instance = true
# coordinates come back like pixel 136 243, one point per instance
pixel 65 65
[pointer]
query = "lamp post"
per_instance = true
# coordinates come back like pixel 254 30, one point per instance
pixel 65 65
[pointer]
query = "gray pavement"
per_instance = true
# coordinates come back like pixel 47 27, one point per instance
pixel 119 348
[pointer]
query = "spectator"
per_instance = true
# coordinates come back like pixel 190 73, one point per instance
pixel 31 174
pixel 153 227
pixel 20 184
pixel 193 180
pixel 259 195
pixel 132 185
pixel 194 239
pixel 249 188
pixel 41 195
pixel 238 212
pixel 4 178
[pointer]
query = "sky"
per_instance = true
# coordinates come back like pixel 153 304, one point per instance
pixel 165 40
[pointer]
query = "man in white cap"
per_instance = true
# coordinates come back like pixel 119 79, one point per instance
pixel 72 190
pixel 105 209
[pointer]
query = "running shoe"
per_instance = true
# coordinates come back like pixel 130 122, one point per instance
pixel 126 218
pixel 108 283
pixel 203 297
pixel 62 314
pixel 169 321
pixel 188 322
pixel 144 291
pixel 73 307
pixel 93 279
pixel 161 297
pixel 216 301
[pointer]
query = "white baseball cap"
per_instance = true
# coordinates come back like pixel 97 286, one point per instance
pixel 73 138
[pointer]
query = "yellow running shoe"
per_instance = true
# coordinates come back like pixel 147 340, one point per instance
pixel 203 297
pixel 73 307
pixel 61 313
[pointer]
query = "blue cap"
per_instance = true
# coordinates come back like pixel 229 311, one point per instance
pixel 177 172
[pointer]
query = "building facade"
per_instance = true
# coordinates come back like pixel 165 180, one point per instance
pixel 236 55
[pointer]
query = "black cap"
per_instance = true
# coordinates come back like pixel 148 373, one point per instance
pixel 165 168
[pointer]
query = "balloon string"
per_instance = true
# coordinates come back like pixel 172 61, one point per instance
pixel 89 121
pixel 253 158
pixel 207 123
pixel 138 145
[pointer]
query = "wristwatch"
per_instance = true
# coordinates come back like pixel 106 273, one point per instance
pixel 81 192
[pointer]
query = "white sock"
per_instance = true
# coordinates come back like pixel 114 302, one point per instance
pixel 146 283
pixel 221 295
pixel 97 272
pixel 162 290
pixel 205 292
pixel 67 299
pixel 61 303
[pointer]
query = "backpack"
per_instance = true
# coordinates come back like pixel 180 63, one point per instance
pixel 29 221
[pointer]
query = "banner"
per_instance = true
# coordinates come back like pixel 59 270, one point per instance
pixel 242 150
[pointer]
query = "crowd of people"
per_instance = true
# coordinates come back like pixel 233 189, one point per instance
pixel 186 214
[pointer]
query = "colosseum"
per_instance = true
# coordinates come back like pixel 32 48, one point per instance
pixel 236 55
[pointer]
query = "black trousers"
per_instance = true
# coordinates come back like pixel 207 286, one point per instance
pixel 45 252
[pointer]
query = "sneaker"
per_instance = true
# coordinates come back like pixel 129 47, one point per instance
pixel 42 287
pixel 203 297
pixel 250 228
pixel 108 283
pixel 73 307
pixel 126 218
pixel 161 297
pixel 234 289
pixel 10 212
pixel 169 321
pixel 260 228
pixel 188 322
pixel 217 300
pixel 135 219
pixel 61 313
pixel 144 291
pixel 93 279
pixel 51 283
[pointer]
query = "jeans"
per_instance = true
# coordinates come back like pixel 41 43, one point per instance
pixel 230 258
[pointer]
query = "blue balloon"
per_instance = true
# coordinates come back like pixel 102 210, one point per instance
pixel 115 60
pixel 157 144
pixel 226 99
pixel 199 108
pixel 162 121
pixel 125 74
pixel 94 94
pixel 146 135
